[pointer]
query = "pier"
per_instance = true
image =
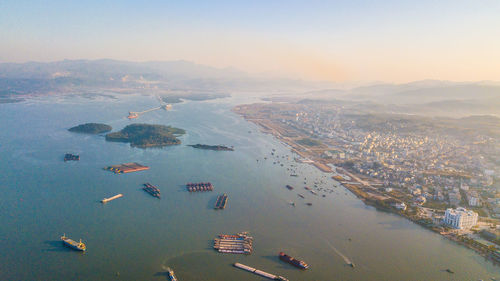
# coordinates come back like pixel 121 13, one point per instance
pixel 221 202
pixel 239 243
pixel 259 272
pixel 105 200
pixel 126 168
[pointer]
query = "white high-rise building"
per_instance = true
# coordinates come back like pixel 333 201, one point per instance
pixel 460 218
pixel 474 201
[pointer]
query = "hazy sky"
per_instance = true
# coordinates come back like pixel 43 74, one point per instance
pixel 328 40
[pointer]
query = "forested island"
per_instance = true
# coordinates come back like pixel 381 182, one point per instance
pixel 91 128
pixel 147 135
pixel 212 147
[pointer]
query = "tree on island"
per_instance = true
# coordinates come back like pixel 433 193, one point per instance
pixel 146 135
pixel 91 128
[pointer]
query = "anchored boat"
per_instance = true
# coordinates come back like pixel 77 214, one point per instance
pixel 79 246
pixel 286 258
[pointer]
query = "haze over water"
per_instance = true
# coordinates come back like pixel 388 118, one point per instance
pixel 136 237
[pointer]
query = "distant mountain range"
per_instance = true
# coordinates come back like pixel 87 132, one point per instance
pixel 433 97
pixel 77 75
pixel 178 77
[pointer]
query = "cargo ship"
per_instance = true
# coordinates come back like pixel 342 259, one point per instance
pixel 171 274
pixel 286 258
pixel 151 189
pixel 79 246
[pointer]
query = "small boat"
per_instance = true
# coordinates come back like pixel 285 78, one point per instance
pixel 289 187
pixel 351 264
pixel 309 204
pixel 449 271
pixel 79 246
pixel 292 203
pixel 300 195
pixel 171 274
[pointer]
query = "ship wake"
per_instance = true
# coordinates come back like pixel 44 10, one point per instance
pixel 346 259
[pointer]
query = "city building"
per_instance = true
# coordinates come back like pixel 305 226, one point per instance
pixel 460 218
pixel 400 206
pixel 474 201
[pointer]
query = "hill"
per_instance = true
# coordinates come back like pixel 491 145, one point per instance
pixel 146 135
pixel 91 128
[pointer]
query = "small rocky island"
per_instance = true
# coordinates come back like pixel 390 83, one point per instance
pixel 91 128
pixel 212 147
pixel 146 135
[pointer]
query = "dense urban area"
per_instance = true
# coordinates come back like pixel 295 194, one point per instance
pixel 442 173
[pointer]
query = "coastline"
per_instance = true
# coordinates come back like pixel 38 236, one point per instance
pixel 363 189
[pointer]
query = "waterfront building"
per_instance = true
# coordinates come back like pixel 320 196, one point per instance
pixel 400 206
pixel 460 218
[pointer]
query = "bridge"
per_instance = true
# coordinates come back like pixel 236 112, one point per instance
pixel 133 114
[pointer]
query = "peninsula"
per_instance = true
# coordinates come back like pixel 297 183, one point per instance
pixel 212 147
pixel 147 135
pixel 91 128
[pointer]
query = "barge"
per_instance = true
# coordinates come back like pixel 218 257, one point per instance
pixel 71 157
pixel 200 186
pixel 260 272
pixel 221 202
pixel 126 168
pixel 151 189
pixel 105 200
pixel 239 243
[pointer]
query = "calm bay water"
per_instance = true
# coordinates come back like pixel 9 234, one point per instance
pixel 136 237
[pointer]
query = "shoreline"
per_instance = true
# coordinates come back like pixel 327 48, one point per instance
pixel 359 187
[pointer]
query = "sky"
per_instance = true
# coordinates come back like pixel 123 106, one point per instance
pixel 392 41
